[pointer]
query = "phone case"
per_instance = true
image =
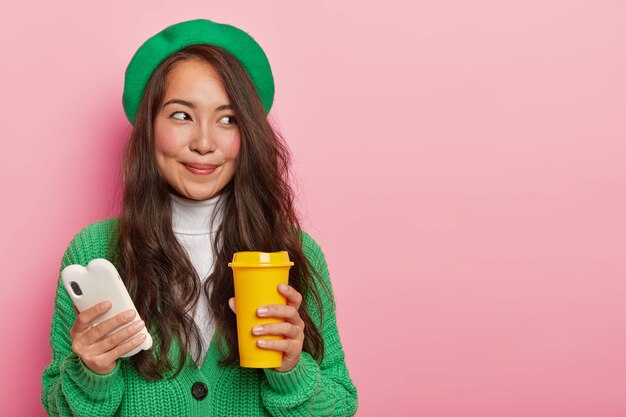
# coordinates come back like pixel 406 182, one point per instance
pixel 98 282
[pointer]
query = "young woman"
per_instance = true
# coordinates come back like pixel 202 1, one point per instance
pixel 205 176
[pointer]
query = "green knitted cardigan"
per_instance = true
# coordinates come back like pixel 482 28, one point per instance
pixel 309 389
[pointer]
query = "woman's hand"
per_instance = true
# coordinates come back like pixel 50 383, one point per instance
pixel 292 329
pixel 92 345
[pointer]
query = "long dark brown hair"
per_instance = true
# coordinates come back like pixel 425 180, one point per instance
pixel 258 214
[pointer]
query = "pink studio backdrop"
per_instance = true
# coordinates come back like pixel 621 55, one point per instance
pixel 463 165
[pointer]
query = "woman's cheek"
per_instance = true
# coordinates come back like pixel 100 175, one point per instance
pixel 164 141
pixel 232 148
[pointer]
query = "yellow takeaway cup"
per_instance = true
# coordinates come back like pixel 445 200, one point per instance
pixel 257 276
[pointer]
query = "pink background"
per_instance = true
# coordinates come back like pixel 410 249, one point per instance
pixel 463 165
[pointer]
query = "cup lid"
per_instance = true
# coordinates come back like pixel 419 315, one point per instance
pixel 260 259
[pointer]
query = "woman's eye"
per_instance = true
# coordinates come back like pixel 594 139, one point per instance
pixel 227 120
pixel 180 115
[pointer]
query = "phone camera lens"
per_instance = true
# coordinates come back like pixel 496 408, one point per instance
pixel 76 288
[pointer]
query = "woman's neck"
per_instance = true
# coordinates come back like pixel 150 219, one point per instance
pixel 193 217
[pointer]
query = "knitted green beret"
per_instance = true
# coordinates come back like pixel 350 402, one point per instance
pixel 174 38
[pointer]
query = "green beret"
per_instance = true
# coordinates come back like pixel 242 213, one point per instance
pixel 174 38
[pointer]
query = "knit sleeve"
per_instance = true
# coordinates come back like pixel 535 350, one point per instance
pixel 311 388
pixel 69 388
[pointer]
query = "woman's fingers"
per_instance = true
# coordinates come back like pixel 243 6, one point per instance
pixel 104 363
pixel 291 328
pixel 100 346
pixel 289 346
pixel 123 348
pixel 289 313
pixel 294 298
pixel 113 341
pixel 99 350
pixel 284 329
pixel 291 349
pixel 102 329
pixel 83 320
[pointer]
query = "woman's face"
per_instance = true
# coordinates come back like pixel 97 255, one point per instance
pixel 196 138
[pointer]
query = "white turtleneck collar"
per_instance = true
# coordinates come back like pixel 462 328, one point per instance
pixel 193 217
pixel 191 223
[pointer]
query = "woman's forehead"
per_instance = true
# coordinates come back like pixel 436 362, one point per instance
pixel 189 70
pixel 196 80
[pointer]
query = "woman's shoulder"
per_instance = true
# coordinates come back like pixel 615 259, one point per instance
pixel 96 240
pixel 310 247
pixel 314 254
pixel 98 231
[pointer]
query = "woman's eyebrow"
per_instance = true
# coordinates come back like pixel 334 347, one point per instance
pixel 179 101
pixel 224 107
pixel 193 106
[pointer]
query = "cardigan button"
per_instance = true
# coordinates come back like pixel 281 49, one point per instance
pixel 199 390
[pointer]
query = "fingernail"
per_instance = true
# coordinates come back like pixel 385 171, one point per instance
pixel 261 342
pixel 106 305
pixel 257 329
pixel 283 287
pixel 138 325
pixel 129 314
pixel 261 311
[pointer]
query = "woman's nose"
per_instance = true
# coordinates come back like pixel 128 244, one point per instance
pixel 203 142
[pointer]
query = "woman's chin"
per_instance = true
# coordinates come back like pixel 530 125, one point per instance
pixel 198 195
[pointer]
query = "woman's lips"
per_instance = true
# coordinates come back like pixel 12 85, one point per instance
pixel 201 169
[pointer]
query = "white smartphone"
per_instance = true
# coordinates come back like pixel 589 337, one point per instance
pixel 99 282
